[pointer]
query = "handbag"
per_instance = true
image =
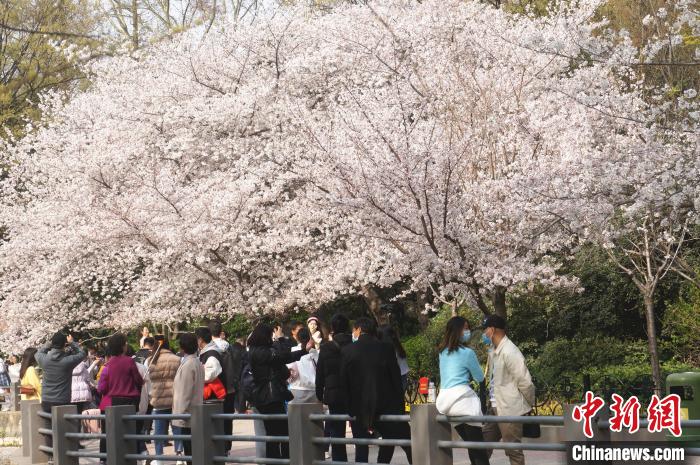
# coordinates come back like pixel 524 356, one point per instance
pixel 531 430
pixel 27 390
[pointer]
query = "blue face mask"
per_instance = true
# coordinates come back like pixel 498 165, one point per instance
pixel 466 336
pixel 355 338
pixel 486 339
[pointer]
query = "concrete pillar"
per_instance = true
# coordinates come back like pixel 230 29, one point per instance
pixel 204 427
pixel 36 439
pixel 16 397
pixel 60 426
pixel 117 427
pixel 301 431
pixel 26 430
pixel 425 434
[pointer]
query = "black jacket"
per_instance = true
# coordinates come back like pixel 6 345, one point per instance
pixel 270 373
pixel 372 380
pixel 329 389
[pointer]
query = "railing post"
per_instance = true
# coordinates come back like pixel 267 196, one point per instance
pixel 60 426
pixel 204 427
pixel 16 396
pixel 26 429
pixel 117 427
pixel 301 431
pixel 425 434
pixel 36 439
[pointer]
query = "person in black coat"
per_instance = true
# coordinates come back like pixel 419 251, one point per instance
pixel 270 374
pixel 372 380
pixel 329 389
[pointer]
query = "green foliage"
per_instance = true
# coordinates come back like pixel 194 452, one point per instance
pixel 681 326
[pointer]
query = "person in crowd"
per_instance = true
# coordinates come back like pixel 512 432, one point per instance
pixel 294 327
pixel 81 387
pixel 13 367
pixel 121 382
pixel 188 386
pixel 511 390
pixel 162 367
pixel 270 374
pixel 30 384
pixel 329 389
pixel 217 335
pixel 313 324
pixel 372 380
pixel 215 378
pixel 4 374
pixel 210 356
pixel 145 332
pixel 302 381
pixel 57 361
pixel 390 335
pixel 458 367
pixel 279 339
pixel 145 351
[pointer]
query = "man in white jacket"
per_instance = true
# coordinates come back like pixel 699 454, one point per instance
pixel 511 390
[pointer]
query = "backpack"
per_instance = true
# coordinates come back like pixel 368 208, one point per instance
pixel 247 383
pixel 231 366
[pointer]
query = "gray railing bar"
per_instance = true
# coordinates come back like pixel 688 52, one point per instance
pixel 330 417
pixel 76 416
pixel 239 438
pixel 159 416
pixel 250 416
pixel 47 449
pixel 158 437
pixel 43 414
pixel 331 462
pixel 541 420
pixel 86 454
pixel 395 418
pixel 86 435
pixel 165 458
pixel 225 459
pixel 363 441
pixel 691 450
pixel 45 431
pixel 554 447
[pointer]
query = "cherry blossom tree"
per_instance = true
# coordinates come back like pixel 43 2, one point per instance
pixel 306 154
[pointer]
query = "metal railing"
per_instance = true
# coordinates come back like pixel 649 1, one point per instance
pixel 430 439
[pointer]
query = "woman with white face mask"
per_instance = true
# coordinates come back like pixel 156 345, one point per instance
pixel 458 367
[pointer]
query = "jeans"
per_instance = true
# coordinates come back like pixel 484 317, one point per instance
pixel 179 445
pixel 275 450
pixel 387 430
pixel 160 427
pixel 473 433
pixel 336 429
pixel 187 444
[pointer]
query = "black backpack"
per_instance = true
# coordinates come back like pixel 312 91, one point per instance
pixel 231 366
pixel 247 383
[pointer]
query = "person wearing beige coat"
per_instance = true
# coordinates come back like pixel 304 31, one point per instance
pixel 512 392
pixel 188 388
pixel 162 367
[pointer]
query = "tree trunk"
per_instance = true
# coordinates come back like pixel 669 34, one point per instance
pixel 499 302
pixel 134 24
pixel 651 336
pixel 374 302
